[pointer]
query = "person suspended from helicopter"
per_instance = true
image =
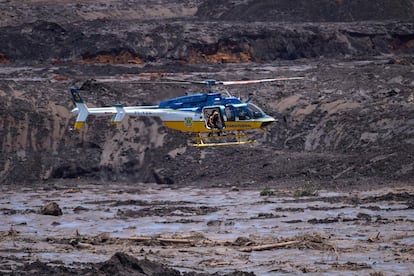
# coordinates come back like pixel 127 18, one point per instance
pixel 214 121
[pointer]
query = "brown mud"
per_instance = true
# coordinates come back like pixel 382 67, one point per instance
pixel 206 230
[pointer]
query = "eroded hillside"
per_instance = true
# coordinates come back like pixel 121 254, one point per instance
pixel 351 117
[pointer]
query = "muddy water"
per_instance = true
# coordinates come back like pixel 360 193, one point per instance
pixel 214 229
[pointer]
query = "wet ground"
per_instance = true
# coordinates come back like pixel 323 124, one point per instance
pixel 268 231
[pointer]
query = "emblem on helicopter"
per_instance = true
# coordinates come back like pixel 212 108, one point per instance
pixel 188 121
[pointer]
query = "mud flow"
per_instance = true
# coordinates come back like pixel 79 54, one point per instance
pixel 211 230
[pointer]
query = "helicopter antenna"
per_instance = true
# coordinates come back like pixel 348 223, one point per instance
pixel 227 92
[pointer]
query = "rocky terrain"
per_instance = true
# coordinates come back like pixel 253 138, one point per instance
pixel 347 125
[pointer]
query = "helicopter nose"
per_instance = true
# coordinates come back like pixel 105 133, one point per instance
pixel 269 120
pixel 265 124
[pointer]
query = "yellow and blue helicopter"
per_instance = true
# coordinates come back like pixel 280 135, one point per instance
pixel 216 120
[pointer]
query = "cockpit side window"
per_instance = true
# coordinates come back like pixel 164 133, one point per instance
pixel 243 113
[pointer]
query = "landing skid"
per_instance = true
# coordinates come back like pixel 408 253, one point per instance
pixel 224 139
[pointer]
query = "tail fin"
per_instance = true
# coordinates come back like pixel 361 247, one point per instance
pixel 81 110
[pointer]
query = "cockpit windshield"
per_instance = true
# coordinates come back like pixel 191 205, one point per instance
pixel 255 110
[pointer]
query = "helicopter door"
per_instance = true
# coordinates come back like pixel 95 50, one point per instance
pixel 213 117
pixel 229 113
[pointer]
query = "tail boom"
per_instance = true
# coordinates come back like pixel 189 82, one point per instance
pixel 118 111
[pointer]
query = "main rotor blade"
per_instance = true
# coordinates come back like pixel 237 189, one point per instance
pixel 209 82
pixel 183 81
pixel 203 82
pixel 258 81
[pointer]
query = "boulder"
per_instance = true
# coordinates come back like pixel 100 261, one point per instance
pixel 51 209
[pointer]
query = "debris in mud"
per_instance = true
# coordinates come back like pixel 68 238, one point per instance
pixel 364 217
pixel 269 246
pixel 324 220
pixel 352 266
pixel 405 197
pixel 307 190
pixel 51 209
pixel 266 216
pixel 243 241
pixel 306 241
pixel 11 233
pixel 266 192
pixel 162 241
pixel 79 209
pixel 375 238
pixel 80 245
pixel 166 211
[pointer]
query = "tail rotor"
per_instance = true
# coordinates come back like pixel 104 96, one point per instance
pixel 81 109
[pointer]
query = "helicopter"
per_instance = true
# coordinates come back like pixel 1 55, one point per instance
pixel 215 119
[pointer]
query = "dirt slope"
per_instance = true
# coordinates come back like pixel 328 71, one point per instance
pixel 308 11
pixel 356 96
